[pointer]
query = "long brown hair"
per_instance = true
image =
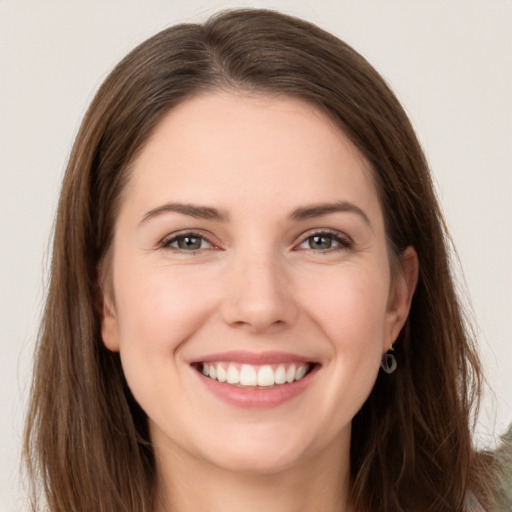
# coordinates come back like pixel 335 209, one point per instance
pixel 87 442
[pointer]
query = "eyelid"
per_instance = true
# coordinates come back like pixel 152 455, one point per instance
pixel 166 242
pixel 344 241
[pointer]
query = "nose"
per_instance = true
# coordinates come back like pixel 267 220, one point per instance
pixel 259 295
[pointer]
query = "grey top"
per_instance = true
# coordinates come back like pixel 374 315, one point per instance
pixel 472 504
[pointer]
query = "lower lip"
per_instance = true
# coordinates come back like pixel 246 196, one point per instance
pixel 257 398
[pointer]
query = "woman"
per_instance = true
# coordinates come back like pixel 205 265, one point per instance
pixel 251 291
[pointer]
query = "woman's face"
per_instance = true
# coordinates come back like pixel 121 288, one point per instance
pixel 250 246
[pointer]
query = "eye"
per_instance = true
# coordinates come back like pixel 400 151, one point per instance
pixel 187 242
pixel 325 241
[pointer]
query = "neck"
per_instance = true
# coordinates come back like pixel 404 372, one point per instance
pixel 189 485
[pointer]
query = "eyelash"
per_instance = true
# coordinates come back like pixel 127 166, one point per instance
pixel 166 242
pixel 343 241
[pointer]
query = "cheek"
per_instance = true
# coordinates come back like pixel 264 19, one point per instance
pixel 349 304
pixel 157 309
pixel 348 307
pixel 351 312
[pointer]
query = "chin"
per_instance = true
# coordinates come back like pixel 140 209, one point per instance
pixel 263 450
pixel 250 461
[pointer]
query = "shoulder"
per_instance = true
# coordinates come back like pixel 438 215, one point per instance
pixel 472 504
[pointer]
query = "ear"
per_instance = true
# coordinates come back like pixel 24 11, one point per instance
pixel 109 324
pixel 400 297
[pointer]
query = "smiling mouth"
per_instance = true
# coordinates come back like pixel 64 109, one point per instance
pixel 254 376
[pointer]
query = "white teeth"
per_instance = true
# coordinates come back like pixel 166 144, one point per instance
pixel 251 376
pixel 280 376
pixel 290 374
pixel 248 376
pixel 301 371
pixel 233 376
pixel 221 374
pixel 266 376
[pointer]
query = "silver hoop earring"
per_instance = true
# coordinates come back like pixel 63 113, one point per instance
pixel 388 363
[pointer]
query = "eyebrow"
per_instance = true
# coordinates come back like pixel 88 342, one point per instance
pixel 318 210
pixel 302 213
pixel 196 211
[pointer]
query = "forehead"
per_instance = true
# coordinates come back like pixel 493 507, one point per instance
pixel 250 146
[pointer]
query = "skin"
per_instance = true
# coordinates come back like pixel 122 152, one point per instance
pixel 253 283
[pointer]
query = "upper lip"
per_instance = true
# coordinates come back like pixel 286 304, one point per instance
pixel 254 358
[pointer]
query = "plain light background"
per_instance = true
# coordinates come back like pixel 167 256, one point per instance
pixel 449 62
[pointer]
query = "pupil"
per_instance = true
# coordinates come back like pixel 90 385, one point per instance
pixel 190 242
pixel 321 242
